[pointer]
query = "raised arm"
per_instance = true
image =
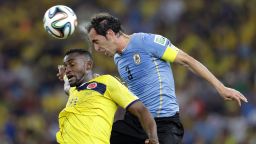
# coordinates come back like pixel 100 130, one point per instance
pixel 199 69
pixel 146 120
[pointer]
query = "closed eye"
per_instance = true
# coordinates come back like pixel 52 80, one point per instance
pixel 95 41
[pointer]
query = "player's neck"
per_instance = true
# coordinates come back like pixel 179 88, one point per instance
pixel 89 76
pixel 86 78
pixel 123 42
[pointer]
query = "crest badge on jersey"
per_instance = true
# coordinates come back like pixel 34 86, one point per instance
pixel 136 58
pixel 160 40
pixel 92 85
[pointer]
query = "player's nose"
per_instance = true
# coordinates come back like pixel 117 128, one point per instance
pixel 99 49
pixel 67 69
pixel 96 47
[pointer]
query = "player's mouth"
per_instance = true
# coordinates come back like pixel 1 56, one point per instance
pixel 108 54
pixel 70 78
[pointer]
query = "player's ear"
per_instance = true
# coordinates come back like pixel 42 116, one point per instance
pixel 110 33
pixel 89 65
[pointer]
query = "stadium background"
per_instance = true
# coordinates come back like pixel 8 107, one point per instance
pixel 220 34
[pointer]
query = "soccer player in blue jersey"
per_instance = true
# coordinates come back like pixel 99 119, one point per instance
pixel 143 62
pixel 92 103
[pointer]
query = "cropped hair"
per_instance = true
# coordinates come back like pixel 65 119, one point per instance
pixel 102 22
pixel 79 51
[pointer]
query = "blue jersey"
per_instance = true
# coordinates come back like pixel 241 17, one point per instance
pixel 147 74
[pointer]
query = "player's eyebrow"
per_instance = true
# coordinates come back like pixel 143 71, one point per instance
pixel 68 61
pixel 92 43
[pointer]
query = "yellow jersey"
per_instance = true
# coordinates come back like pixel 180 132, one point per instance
pixel 89 112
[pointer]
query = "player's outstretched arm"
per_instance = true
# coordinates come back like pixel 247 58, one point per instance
pixel 146 120
pixel 199 69
pixel 61 76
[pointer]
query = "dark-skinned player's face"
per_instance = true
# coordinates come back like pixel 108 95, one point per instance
pixel 76 68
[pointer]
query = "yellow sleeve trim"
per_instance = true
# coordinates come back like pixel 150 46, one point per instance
pixel 170 53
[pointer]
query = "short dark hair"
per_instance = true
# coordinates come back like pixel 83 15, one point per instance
pixel 79 51
pixel 102 22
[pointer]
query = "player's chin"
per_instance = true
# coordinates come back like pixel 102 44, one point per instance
pixel 71 79
pixel 72 82
pixel 109 54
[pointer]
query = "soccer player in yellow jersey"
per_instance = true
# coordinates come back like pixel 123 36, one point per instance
pixel 92 103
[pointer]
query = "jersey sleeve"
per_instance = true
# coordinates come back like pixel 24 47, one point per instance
pixel 160 47
pixel 120 93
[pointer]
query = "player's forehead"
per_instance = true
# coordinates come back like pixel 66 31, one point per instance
pixel 93 35
pixel 73 57
pixel 92 32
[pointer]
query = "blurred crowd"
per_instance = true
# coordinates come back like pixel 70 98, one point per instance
pixel 220 34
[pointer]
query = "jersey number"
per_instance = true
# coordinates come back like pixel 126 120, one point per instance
pixel 127 69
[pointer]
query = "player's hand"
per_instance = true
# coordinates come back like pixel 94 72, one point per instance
pixel 151 141
pixel 61 72
pixel 232 94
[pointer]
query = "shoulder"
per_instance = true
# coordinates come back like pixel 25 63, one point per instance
pixel 156 40
pixel 150 40
pixel 72 89
pixel 105 79
pixel 102 77
pixel 111 82
pixel 138 38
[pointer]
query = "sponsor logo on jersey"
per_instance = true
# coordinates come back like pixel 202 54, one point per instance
pixel 92 85
pixel 160 40
pixel 136 58
pixel 99 87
